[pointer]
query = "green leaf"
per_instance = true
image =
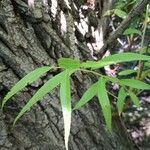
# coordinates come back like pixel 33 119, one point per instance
pixel 135 84
pixel 89 64
pixel 105 103
pixel 87 96
pixel 121 98
pixel 65 97
pixel 134 99
pixel 120 13
pixel 108 13
pixel 130 31
pixel 147 64
pixel 126 72
pixel 46 88
pixel 68 63
pixel 28 79
pixel 116 58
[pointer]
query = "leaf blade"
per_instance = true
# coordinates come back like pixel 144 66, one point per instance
pixel 121 98
pixel 46 88
pixel 65 97
pixel 135 84
pixel 105 103
pixel 116 58
pixel 130 31
pixel 134 99
pixel 29 78
pixel 87 96
pixel 120 13
pixel 126 72
pixel 68 63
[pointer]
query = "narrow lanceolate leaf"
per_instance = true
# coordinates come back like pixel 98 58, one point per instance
pixel 105 103
pixel 120 13
pixel 68 63
pixel 46 88
pixel 116 58
pixel 134 99
pixel 121 100
pixel 135 84
pixel 29 78
pixel 108 13
pixel 126 72
pixel 130 31
pixel 147 64
pixel 87 96
pixel 65 97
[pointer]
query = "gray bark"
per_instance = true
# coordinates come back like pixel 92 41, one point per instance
pixel 31 37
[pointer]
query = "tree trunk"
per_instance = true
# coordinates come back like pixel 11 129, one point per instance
pixel 37 33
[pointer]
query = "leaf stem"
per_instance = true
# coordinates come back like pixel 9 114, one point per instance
pixel 143 50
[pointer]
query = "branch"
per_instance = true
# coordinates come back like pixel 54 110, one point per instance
pixel 137 10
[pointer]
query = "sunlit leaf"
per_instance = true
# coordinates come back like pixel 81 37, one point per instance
pixel 65 97
pixel 130 31
pixel 87 96
pixel 28 79
pixel 134 99
pixel 147 64
pixel 46 88
pixel 68 63
pixel 89 64
pixel 121 100
pixel 108 13
pixel 126 72
pixel 105 103
pixel 116 58
pixel 120 13
pixel 135 84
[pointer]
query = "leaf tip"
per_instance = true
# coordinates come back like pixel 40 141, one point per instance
pixel 109 129
pixel 14 123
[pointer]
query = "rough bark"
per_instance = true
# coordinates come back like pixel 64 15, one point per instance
pixel 30 37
